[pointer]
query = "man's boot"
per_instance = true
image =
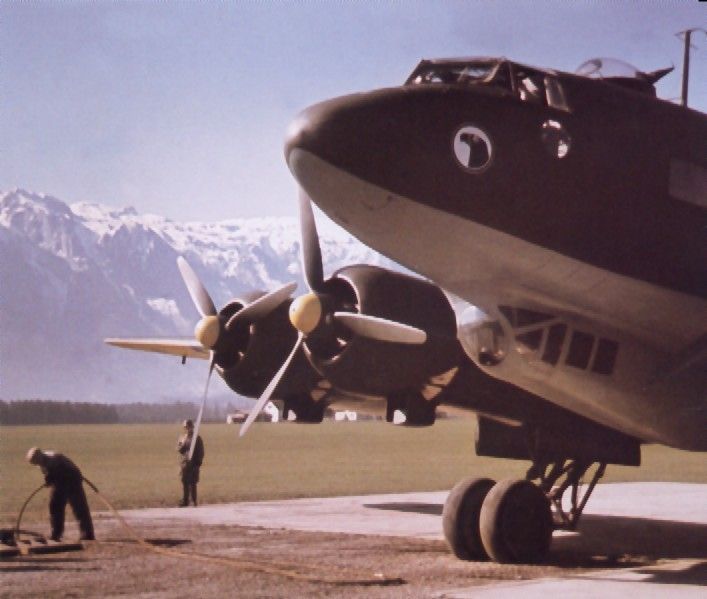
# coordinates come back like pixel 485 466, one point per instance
pixel 193 494
pixel 185 496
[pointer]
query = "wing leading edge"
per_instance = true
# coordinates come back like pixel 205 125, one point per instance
pixel 175 347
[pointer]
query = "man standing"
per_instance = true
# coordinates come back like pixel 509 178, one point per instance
pixel 65 479
pixel 189 468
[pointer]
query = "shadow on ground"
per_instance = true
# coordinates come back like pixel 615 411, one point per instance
pixel 433 509
pixel 621 535
pixel 44 564
pixel 609 541
pixel 151 541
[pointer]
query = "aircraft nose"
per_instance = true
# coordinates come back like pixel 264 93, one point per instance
pixel 298 131
pixel 311 129
pixel 396 140
pixel 349 133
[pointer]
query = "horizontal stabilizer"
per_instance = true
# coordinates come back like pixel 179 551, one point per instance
pixel 176 347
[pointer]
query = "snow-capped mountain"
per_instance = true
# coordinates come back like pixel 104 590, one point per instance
pixel 71 275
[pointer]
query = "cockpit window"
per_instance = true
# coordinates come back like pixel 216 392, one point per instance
pixel 530 85
pixel 470 72
pixel 602 68
pixel 555 94
pixel 539 87
pixel 621 73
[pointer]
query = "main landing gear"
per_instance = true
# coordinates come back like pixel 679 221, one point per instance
pixel 512 521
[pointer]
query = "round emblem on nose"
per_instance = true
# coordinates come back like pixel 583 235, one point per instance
pixel 472 148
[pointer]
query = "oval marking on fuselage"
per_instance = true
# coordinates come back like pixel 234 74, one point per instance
pixel 472 148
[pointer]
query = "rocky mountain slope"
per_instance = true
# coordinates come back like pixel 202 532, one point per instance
pixel 71 275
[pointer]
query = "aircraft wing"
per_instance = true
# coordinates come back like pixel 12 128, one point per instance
pixel 188 348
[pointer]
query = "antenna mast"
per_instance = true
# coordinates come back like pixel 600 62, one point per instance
pixel 687 34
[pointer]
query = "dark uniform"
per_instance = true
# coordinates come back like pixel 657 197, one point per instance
pixel 189 469
pixel 66 481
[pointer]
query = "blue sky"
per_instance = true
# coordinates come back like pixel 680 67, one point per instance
pixel 181 108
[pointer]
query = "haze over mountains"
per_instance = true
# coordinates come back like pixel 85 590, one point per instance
pixel 71 275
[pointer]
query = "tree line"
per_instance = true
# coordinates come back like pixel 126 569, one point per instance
pixel 41 411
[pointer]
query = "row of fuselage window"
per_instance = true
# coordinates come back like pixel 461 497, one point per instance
pixel 579 353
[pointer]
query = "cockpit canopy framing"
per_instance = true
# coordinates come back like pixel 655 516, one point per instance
pixel 529 84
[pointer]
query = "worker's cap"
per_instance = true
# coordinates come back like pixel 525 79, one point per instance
pixel 33 455
pixel 188 424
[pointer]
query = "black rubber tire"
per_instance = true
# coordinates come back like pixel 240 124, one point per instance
pixel 460 518
pixel 516 522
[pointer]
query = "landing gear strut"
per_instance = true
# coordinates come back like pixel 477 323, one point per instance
pixel 513 520
pixel 572 471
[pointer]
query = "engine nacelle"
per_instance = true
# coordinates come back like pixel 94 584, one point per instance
pixel 258 351
pixel 416 410
pixel 363 365
pixel 304 408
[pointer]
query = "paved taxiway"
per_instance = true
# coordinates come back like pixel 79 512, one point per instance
pixel 667 521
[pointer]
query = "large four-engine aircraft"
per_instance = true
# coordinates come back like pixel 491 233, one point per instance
pixel 571 211
pixel 568 210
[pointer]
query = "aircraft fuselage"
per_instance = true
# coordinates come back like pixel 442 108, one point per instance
pixel 585 203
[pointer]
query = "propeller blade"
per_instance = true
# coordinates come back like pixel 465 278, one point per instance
pixel 262 306
pixel 201 409
pixel 265 397
pixel 197 291
pixel 380 328
pixel 311 252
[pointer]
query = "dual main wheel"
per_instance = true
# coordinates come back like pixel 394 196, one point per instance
pixel 509 522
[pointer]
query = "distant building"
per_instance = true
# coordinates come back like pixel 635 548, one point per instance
pixel 345 415
pixel 270 413
pixel 239 417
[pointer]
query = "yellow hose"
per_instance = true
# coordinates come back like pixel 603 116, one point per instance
pixel 22 511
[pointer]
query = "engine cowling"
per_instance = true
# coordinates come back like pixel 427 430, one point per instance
pixel 254 352
pixel 363 365
pixel 304 407
pixel 415 409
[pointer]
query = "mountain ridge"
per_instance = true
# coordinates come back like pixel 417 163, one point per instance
pixel 73 274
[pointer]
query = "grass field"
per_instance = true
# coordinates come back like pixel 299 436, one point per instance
pixel 137 465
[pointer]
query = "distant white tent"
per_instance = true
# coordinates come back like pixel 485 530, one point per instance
pixel 345 415
pixel 270 413
pixel 271 408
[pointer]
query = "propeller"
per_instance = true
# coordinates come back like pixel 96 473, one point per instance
pixel 197 291
pixel 262 306
pixel 267 394
pixel 211 330
pixel 212 363
pixel 309 311
pixel 381 328
pixel 214 335
pixel 311 252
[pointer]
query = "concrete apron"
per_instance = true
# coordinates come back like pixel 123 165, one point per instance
pixel 667 521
